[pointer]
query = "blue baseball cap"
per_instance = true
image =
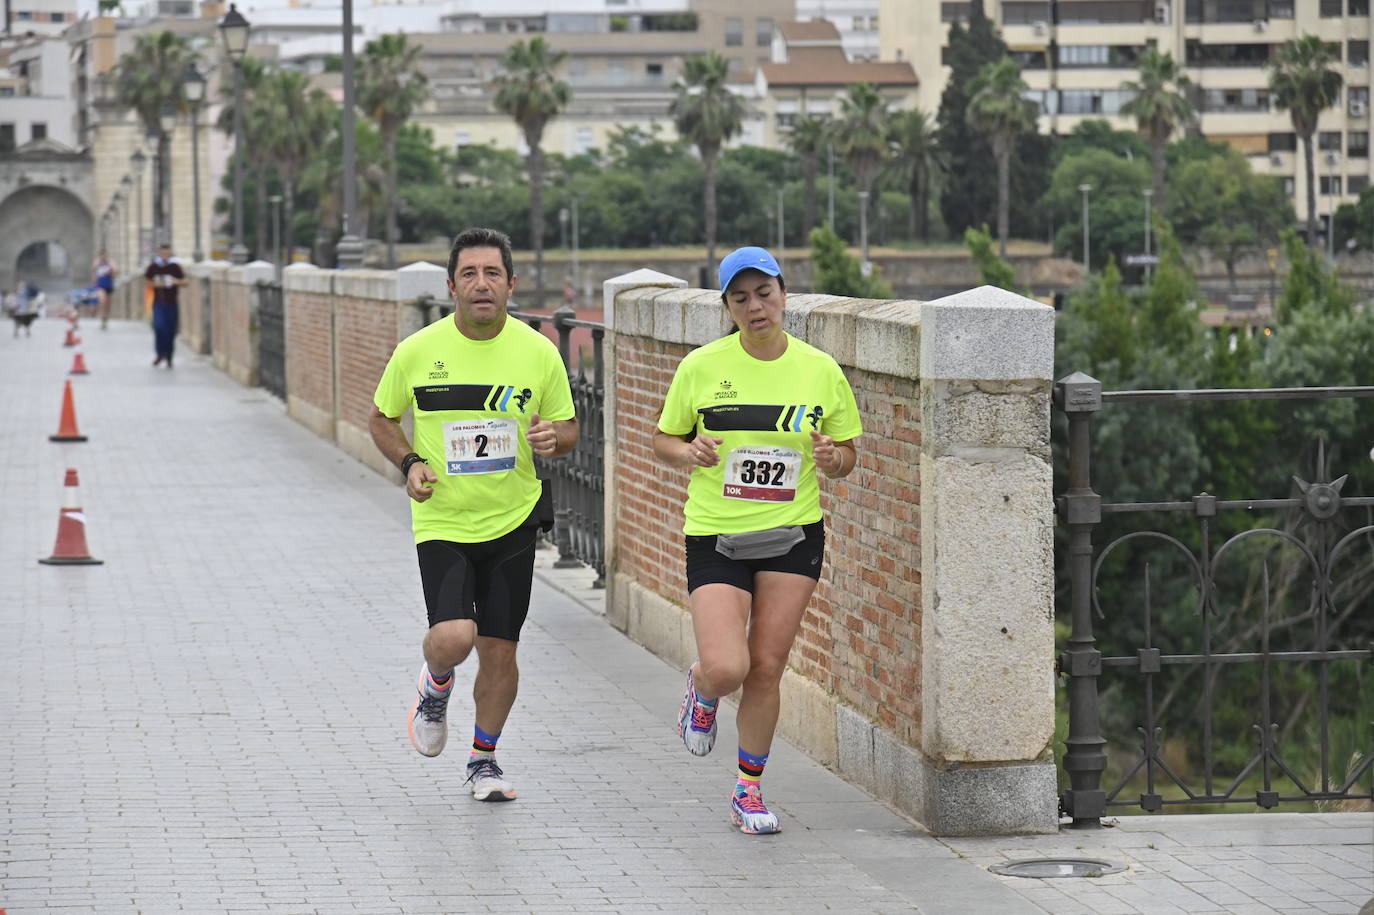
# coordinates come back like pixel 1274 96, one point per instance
pixel 750 258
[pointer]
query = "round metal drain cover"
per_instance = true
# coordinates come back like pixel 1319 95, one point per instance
pixel 1057 867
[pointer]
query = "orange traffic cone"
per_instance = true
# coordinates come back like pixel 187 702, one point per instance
pixel 78 366
pixel 71 549
pixel 66 427
pixel 72 338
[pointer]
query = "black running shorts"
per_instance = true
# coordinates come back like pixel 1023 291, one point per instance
pixel 488 582
pixel 707 567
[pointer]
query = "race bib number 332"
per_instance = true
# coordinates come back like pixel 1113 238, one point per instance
pixel 480 445
pixel 762 474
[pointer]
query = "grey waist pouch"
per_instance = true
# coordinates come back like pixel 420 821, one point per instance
pixel 759 544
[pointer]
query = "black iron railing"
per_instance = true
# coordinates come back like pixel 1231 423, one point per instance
pixel 1320 545
pixel 271 339
pixel 578 478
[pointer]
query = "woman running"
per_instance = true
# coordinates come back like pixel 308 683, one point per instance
pixel 754 415
pixel 104 273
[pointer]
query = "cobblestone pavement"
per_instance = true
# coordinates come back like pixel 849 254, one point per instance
pixel 214 719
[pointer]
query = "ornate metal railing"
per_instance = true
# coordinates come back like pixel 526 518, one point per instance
pixel 579 477
pixel 271 339
pixel 1320 505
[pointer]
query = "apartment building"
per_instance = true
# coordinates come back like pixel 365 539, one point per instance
pixel 34 102
pixel 1075 54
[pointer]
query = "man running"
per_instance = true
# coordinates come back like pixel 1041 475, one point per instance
pixel 476 509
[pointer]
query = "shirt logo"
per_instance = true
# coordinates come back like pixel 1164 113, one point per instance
pixel 438 373
pixel 523 398
pixel 815 416
pixel 726 391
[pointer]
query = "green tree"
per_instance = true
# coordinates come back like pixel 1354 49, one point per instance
pixel 390 88
pixel 529 91
pixel 917 156
pixel 968 199
pixel 148 79
pixel 808 138
pixel 1000 111
pixel 992 270
pixel 303 119
pixel 1160 107
pixel 1116 207
pixel 1305 82
pixel 707 114
pixel 1222 205
pixel 862 134
pixel 838 272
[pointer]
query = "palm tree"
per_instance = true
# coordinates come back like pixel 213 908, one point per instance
pixel 148 79
pixel 390 88
pixel 917 155
pixel 259 125
pixel 1304 83
pixel 303 119
pixel 1159 104
pixel 999 108
pixel 528 90
pixel 707 114
pixel 863 135
pixel 808 137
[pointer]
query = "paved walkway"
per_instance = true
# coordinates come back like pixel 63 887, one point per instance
pixel 213 721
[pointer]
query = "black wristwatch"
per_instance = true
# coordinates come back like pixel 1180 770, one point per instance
pixel 409 461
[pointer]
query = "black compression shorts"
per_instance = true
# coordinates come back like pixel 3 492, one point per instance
pixel 488 582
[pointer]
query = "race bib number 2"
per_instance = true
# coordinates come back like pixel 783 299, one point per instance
pixel 762 474
pixel 480 445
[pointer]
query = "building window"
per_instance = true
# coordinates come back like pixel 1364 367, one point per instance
pixel 38 131
pixel 734 33
pixel 577 66
pixel 763 32
pixel 584 140
pixel 23 16
pixel 1290 186
pixel 59 17
pixel 1357 145
pixel 653 70
pixel 1331 9
pixel 1356 184
pixel 1030 60
pixel 1283 142
pixel 1330 185
pixel 6 92
pixel 1091 101
pixel 1357 100
pixel 1329 141
pixel 1358 7
pixel 461 138
pixel 6 138
pixel 955 12
pixel 1357 53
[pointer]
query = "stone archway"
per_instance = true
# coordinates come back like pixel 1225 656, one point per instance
pixel 41 213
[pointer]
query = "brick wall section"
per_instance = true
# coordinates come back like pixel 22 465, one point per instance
pixel 366 334
pixel 239 337
pixel 310 350
pixel 860 636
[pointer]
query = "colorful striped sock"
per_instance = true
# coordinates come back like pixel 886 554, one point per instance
pixel 439 683
pixel 751 766
pixel 483 744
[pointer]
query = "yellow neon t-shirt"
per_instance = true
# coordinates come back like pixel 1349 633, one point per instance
pixel 763 411
pixel 473 400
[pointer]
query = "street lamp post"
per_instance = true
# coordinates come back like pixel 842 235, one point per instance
pixel 233 29
pixel 349 252
pixel 126 185
pixel 1331 194
pixel 136 162
pixel 194 85
pixel 1085 188
pixel 830 186
pixel 275 200
pixel 167 120
pixel 863 230
pixel 1149 194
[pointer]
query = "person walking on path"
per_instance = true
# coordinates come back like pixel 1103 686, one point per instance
pixel 103 274
pixel 164 275
pixel 488 394
pixel 754 415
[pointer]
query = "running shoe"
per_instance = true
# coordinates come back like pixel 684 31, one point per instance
pixel 696 721
pixel 488 781
pixel 749 813
pixel 428 725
